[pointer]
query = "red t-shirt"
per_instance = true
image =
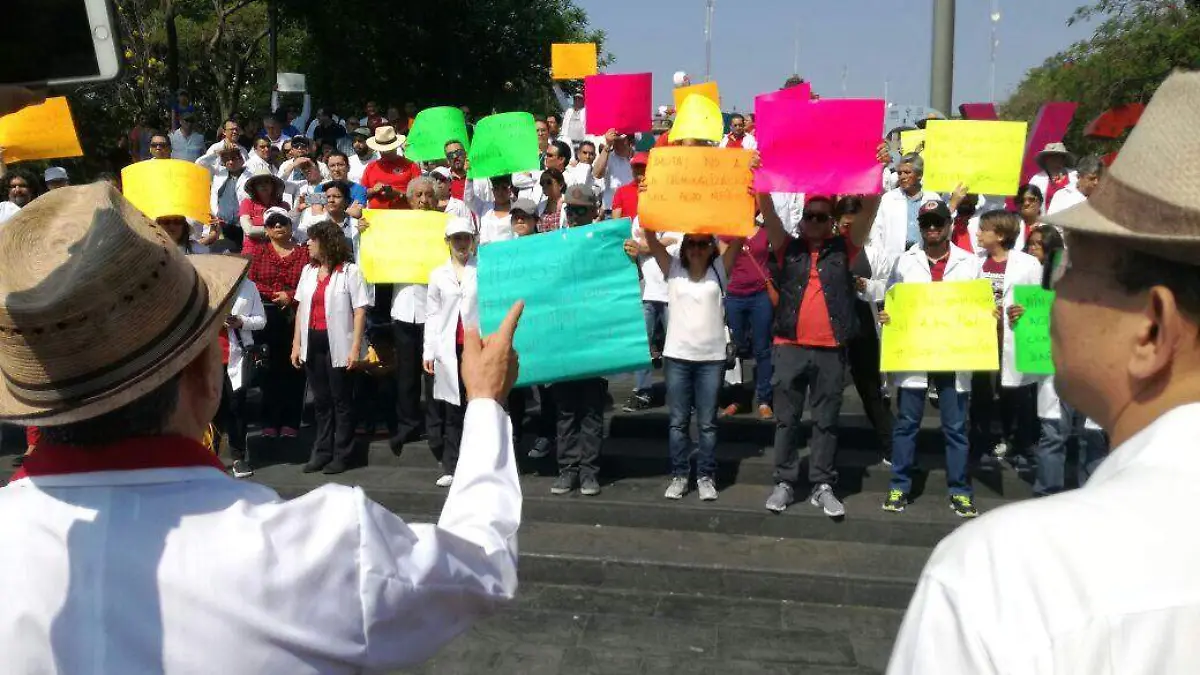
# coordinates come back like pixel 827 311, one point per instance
pixel 993 271
pixel 458 187
pixel 961 236
pixel 1054 186
pixel 223 339
pixel 813 325
pixel 732 141
pixel 396 173
pixel 33 436
pixel 937 270
pixel 626 199
pixel 316 314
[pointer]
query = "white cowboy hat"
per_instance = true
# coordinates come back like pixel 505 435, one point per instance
pixel 385 139
pixel 1055 149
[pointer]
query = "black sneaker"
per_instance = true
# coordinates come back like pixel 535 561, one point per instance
pixel 564 483
pixel 316 464
pixel 241 469
pixel 636 402
pixel 336 466
pixel 896 501
pixel 963 506
pixel 589 486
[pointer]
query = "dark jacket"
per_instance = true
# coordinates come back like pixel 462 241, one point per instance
pixel 791 278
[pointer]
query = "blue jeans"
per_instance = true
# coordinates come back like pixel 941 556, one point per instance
pixel 910 409
pixel 693 384
pixel 654 312
pixel 750 318
pixel 1051 473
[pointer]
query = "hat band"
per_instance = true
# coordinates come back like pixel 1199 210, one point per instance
pixel 112 375
pixel 1124 204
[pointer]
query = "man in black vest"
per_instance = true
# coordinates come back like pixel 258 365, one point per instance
pixel 813 322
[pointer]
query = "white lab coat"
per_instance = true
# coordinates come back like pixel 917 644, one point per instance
pixel 890 229
pixel 1079 583
pixel 1065 199
pixel 1042 180
pixel 346 292
pixel 187 570
pixel 249 308
pixel 447 300
pixel 1022 270
pixel 913 267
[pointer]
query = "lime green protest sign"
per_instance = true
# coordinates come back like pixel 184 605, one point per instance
pixel 583 304
pixel 504 143
pixel 1031 332
pixel 432 129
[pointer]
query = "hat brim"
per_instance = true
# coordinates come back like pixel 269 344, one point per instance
pixel 1068 157
pixel 221 274
pixel 385 147
pixel 1083 218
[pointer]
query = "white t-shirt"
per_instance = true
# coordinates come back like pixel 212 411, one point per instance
pixel 618 172
pixel 358 166
pixel 695 320
pixel 494 228
pixel 654 285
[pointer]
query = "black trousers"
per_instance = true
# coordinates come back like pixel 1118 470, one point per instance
pixel 283 385
pixel 231 418
pixel 797 370
pixel 580 425
pixel 333 400
pixel 518 404
pixel 1016 409
pixel 410 381
pixel 863 354
pixel 444 425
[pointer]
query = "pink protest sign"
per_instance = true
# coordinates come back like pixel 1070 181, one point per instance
pixel 801 92
pixel 1049 127
pixel 621 102
pixel 827 146
pixel 978 111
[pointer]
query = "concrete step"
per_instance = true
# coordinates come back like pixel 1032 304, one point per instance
pixel 554 629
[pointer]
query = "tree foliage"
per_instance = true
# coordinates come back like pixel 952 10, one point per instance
pixel 1134 47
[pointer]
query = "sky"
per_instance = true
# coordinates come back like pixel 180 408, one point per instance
pixel 871 41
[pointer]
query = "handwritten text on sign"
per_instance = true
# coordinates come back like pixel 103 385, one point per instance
pixel 1031 332
pixel 983 155
pixel 698 189
pixel 583 306
pixel 946 326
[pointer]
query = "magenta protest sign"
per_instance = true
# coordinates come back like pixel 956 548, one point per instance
pixel 800 92
pixel 1049 127
pixel 827 146
pixel 621 102
pixel 978 111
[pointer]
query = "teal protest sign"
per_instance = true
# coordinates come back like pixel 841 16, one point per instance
pixel 583 304
pixel 503 144
pixel 432 129
pixel 1031 332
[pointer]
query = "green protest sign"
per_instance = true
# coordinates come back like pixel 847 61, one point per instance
pixel 431 129
pixel 504 143
pixel 1032 331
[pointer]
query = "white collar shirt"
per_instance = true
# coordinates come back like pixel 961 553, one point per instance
pixel 1065 199
pixel 346 292
pixel 449 301
pixel 226 194
pixel 358 165
pixel 188 148
pixel 186 570
pixel 618 172
pixel 1079 583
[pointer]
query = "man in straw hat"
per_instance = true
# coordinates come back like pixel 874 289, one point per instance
pixel 128 549
pixel 387 178
pixel 1057 166
pixel 1102 579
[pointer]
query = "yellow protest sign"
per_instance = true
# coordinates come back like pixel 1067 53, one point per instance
pixel 167 187
pixel 939 327
pixel 402 246
pixel 572 61
pixel 707 90
pixel 698 190
pixel 912 141
pixel 44 131
pixel 985 155
pixel 699 118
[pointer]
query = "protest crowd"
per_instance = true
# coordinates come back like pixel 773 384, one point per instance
pixel 801 296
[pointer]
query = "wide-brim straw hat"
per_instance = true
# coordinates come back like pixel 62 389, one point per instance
pixel 98 307
pixel 1058 149
pixel 1150 197
pixel 263 174
pixel 385 139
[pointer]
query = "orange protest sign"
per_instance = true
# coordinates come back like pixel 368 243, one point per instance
pixel 167 187
pixel 698 189
pixel 707 90
pixel 43 131
pixel 572 61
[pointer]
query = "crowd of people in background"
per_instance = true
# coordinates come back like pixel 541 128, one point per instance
pixel 803 297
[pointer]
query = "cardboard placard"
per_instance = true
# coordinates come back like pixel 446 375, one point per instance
pixel 697 189
pixel 940 327
pixel 168 187
pixel 402 246
pixel 43 131
pixel 819 147
pixel 505 143
pixel 573 61
pixel 1031 333
pixel 432 128
pixel 621 102
pixel 983 155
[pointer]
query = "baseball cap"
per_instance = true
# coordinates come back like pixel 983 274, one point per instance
pixel 55 173
pixel 581 195
pixel 933 209
pixel 459 226
pixel 276 211
pixel 300 140
pixel 642 158
pixel 525 206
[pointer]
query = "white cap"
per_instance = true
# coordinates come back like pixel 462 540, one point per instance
pixel 276 211
pixel 459 225
pixel 680 78
pixel 55 173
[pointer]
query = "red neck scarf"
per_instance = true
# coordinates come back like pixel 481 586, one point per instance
pixel 149 452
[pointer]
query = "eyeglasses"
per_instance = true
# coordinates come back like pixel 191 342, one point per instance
pixel 817 217
pixel 455 154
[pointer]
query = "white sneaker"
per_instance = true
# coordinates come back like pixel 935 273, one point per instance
pixel 1000 450
pixel 445 481
pixel 707 488
pixel 678 488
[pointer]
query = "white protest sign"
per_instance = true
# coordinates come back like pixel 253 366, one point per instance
pixel 290 82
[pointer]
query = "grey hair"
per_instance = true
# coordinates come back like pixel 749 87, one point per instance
pixel 918 164
pixel 419 182
pixel 441 190
pixel 1090 165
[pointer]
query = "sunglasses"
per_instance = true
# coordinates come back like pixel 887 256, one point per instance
pixel 278 223
pixel 930 224
pixel 158 145
pixel 817 217
pixel 455 154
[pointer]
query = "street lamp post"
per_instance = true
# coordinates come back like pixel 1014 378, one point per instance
pixel 708 25
pixel 941 90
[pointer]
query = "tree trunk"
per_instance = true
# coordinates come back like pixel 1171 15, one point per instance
pixel 172 49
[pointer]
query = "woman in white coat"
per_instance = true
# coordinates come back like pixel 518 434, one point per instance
pixel 1015 401
pixel 246 315
pixel 451 306
pixel 328 342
